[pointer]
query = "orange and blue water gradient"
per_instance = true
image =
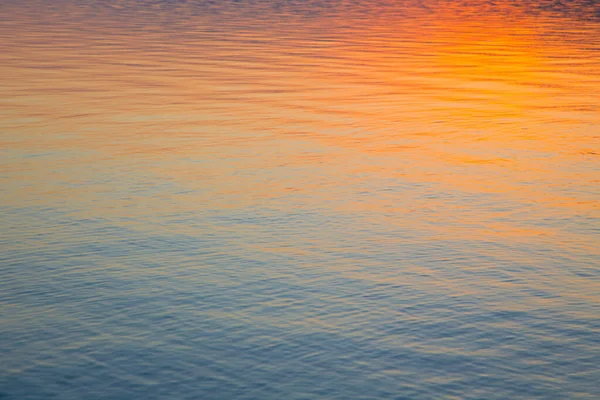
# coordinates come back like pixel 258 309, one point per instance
pixel 285 199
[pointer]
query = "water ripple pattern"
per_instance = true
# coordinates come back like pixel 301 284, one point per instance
pixel 286 199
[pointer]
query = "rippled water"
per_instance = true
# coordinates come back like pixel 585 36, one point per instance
pixel 294 199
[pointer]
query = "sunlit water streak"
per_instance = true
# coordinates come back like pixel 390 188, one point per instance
pixel 299 199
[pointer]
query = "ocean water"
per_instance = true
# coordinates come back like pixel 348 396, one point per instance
pixel 285 199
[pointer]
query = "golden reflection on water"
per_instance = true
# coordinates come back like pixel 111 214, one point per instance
pixel 496 107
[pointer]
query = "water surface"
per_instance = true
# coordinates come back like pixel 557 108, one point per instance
pixel 299 199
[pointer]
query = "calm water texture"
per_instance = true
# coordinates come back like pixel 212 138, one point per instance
pixel 294 199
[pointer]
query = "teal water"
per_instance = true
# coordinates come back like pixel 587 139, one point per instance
pixel 299 199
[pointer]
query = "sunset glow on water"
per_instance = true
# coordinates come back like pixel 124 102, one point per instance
pixel 279 199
